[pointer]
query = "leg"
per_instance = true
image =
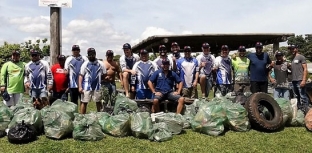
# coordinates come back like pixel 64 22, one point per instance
pixel 264 87
pixel 85 98
pixel 186 92
pixel 253 87
pixel 177 98
pixel 125 79
pixel 286 94
pixel 74 94
pixel 276 93
pixel 140 94
pixel 202 82
pixel 194 93
pixel 10 102
pixel 43 93
pixel 303 99
pixel 16 98
pixel 157 99
pixel 97 96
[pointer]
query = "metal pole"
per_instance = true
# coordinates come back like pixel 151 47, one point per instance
pixel 55 28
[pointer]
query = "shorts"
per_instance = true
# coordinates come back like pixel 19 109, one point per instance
pixel 110 86
pixel 14 99
pixel 108 92
pixel 167 96
pixel 95 95
pixel 38 93
pixel 144 94
pixel 190 92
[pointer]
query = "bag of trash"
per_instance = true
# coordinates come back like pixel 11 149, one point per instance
pixel 68 107
pixel 189 113
pixel 117 125
pixel 22 103
pixel 6 115
pixel 141 125
pixel 198 102
pixel 30 116
pixel 209 119
pixel 87 127
pixel 122 102
pixel 237 118
pixel 57 124
pixel 175 122
pixel 286 109
pixel 102 116
pixel 160 132
pixel 22 133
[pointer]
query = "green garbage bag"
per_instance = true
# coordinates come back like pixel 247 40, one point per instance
pixel 174 122
pixel 102 116
pixel 30 116
pixel 23 102
pixel 297 118
pixel 6 115
pixel 237 118
pixel 118 125
pixel 160 132
pixel 198 102
pixel 189 113
pixel 209 119
pixel 44 110
pixel 124 104
pixel 141 125
pixel 57 124
pixel 68 107
pixel 286 109
pixel 87 127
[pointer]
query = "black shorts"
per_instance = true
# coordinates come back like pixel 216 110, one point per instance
pixel 168 96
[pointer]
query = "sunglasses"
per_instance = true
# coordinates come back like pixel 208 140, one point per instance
pixel 34 55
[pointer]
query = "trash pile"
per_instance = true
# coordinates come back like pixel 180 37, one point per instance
pixel 61 120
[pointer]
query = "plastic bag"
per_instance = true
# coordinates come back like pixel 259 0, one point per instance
pixel 57 124
pixel 87 127
pixel 118 125
pixel 6 115
pixel 286 109
pixel 21 104
pixel 175 122
pixel 122 102
pixel 22 133
pixel 237 118
pixel 68 107
pixel 141 125
pixel 160 132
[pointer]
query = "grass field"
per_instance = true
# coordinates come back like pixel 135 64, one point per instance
pixel 292 139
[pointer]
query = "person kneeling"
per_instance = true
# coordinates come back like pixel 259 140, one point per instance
pixel 164 80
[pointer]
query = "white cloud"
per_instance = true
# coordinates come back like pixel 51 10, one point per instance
pixel 151 31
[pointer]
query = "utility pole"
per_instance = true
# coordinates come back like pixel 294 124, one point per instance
pixel 55 34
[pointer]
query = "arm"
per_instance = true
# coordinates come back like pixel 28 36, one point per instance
pixel 151 82
pixel 198 58
pixel 123 65
pixel 119 75
pixel 196 74
pixel 66 65
pixel 104 72
pixel 151 86
pixel 49 75
pixel 3 75
pixel 305 72
pixel 81 75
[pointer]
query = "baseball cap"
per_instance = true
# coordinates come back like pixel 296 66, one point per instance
pixel 165 62
pixel 61 57
pixel 143 51
pixel 205 45
pixel 33 51
pixel 126 46
pixel 162 47
pixel 91 51
pixel 174 44
pixel 292 46
pixel 224 47
pixel 16 52
pixel 241 48
pixel 109 53
pixel 279 53
pixel 187 48
pixel 75 48
pixel 259 44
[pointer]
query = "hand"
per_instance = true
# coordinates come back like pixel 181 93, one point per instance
pixel 2 89
pixel 175 93
pixel 50 87
pixel 302 84
pixel 27 85
pixel 173 59
pixel 132 72
pixel 194 84
pixel 158 94
pixel 203 64
pixel 81 90
pixel 273 80
pixel 132 89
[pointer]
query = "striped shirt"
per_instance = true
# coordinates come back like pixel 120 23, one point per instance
pixel 73 65
pixel 92 73
pixel 224 70
pixel 143 72
pixel 38 74
pixel 187 69
pixel 128 62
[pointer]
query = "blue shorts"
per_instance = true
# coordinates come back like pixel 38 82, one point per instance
pixel 144 94
pixel 38 93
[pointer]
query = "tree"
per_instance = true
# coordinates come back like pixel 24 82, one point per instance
pixel 304 44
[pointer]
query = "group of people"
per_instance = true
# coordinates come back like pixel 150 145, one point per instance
pixel 169 76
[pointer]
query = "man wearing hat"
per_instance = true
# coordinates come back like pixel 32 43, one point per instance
pixel 189 71
pixel 206 62
pixel 108 83
pixel 163 56
pixel 144 70
pixel 12 79
pixel 161 84
pixel 175 49
pixel 299 77
pixel 60 80
pixel 240 65
pixel 260 65
pixel 38 74
pixel 72 68
pixel 89 83
pixel 126 63
pixel 223 69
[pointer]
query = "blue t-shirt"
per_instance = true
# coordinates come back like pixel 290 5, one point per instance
pixel 257 66
pixel 187 69
pixel 164 84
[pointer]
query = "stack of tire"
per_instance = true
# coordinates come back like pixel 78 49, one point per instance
pixel 264 112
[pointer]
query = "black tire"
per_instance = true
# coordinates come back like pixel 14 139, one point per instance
pixel 271 120
pixel 2 134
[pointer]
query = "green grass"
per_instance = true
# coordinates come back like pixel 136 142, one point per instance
pixel 291 139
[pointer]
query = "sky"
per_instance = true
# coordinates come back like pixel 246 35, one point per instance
pixel 108 24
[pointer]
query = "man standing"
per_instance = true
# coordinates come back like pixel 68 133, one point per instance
pixel 144 69
pixel 260 65
pixel 163 56
pixel 72 68
pixel 206 62
pixel 126 63
pixel 223 68
pixel 91 73
pixel 175 49
pixel 240 65
pixel 39 78
pixel 112 69
pixel 164 80
pixel 299 77
pixel 12 79
pixel 189 71
pixel 60 86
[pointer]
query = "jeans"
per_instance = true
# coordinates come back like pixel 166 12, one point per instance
pixel 38 93
pixel 301 95
pixel 281 93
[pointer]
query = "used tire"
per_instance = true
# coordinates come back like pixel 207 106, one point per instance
pixel 264 112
